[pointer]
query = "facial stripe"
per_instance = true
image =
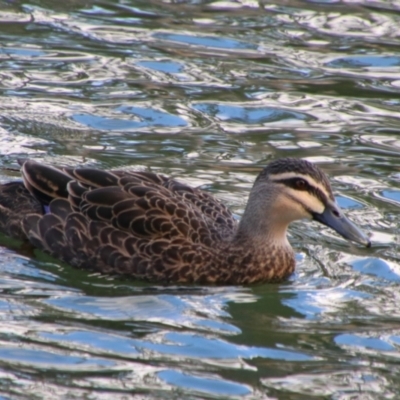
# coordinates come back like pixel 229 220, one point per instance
pixel 311 198
pixel 284 176
pixel 308 201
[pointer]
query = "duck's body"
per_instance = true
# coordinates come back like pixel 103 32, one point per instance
pixel 147 226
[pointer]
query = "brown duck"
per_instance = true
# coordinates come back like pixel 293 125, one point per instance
pixel 147 226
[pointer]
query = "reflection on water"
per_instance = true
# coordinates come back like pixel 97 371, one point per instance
pixel 208 92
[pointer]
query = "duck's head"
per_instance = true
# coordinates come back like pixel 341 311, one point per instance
pixel 290 189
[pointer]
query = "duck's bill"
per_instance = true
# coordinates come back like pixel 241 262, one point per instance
pixel 334 218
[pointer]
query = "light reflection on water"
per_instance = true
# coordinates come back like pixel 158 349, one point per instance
pixel 207 92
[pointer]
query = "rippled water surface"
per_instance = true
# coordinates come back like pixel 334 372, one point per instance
pixel 208 91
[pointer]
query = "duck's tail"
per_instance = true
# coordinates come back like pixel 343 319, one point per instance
pixel 15 203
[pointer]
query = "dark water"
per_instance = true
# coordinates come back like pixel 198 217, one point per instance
pixel 209 91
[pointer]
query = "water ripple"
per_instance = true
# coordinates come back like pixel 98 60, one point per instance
pixel 208 92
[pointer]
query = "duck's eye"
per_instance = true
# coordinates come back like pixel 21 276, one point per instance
pixel 301 184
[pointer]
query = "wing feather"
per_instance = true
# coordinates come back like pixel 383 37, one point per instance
pixel 137 223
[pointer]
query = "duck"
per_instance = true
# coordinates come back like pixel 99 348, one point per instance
pixel 147 226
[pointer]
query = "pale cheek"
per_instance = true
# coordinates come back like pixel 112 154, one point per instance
pixel 286 211
pixel 311 202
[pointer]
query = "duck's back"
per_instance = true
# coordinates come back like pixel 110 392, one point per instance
pixel 136 223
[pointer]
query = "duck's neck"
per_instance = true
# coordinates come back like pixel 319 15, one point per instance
pixel 263 222
pixel 259 257
pixel 262 233
pixel 260 250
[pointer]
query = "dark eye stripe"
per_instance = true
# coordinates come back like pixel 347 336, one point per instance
pixel 316 192
pixel 292 182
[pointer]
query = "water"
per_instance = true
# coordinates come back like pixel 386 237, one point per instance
pixel 208 91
